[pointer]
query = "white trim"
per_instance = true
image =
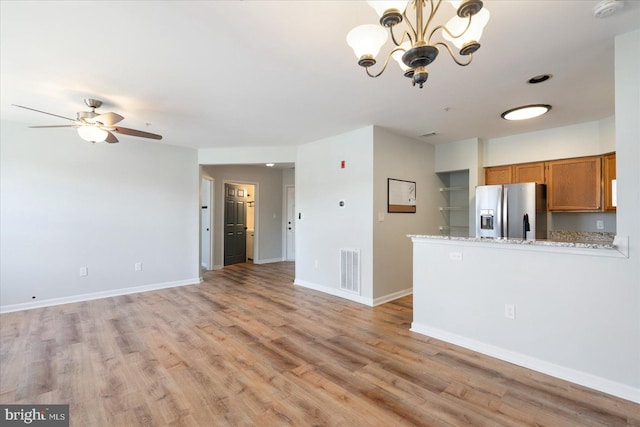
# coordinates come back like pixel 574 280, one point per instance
pixel 391 297
pixel 212 186
pixel 268 261
pixel 335 292
pixel 97 295
pixel 582 378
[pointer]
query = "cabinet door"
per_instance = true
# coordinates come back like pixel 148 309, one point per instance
pixel 609 172
pixel 575 184
pixel 498 175
pixel 529 172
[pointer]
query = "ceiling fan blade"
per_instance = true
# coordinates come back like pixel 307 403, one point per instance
pixel 111 138
pixel 55 126
pixel 43 112
pixel 133 132
pixel 108 119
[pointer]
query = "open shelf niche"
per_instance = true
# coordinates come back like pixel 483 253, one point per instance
pixel 455 203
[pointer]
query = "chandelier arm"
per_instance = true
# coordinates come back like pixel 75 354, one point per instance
pixel 434 10
pixel 404 34
pixel 454 57
pixel 445 29
pixel 386 62
pixel 409 24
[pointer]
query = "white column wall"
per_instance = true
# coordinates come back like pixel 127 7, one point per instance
pixel 324 227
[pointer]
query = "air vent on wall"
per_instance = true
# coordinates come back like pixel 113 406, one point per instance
pixel 350 270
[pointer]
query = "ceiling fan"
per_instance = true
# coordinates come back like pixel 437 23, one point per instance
pixel 94 127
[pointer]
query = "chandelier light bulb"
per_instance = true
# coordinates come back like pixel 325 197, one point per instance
pixel 456 26
pixel 397 55
pixel 381 6
pixel 92 133
pixel 366 39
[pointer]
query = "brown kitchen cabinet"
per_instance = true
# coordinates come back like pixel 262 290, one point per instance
pixel 609 174
pixel 498 175
pixel 575 184
pixel 529 172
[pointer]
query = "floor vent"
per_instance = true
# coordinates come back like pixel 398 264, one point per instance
pixel 350 270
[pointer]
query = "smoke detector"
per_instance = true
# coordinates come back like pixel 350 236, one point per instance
pixel 606 8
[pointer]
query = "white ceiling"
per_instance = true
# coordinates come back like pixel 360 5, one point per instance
pixel 262 73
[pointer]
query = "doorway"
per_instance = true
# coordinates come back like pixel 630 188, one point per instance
pixel 235 224
pixel 291 224
pixel 206 223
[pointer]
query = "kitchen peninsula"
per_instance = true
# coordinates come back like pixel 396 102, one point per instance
pixel 534 303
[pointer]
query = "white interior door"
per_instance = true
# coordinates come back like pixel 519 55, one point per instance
pixel 291 223
pixel 206 212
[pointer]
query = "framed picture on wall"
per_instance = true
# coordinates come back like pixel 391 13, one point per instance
pixel 401 196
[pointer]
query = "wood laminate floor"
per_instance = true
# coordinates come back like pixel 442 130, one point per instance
pixel 248 348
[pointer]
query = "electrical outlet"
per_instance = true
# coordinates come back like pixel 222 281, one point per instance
pixel 510 311
pixel 456 256
pixel 600 224
pixel 137 266
pixel 315 264
pixel 84 271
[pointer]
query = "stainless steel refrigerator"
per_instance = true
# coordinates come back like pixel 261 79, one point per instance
pixel 515 211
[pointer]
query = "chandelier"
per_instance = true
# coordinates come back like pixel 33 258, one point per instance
pixel 416 47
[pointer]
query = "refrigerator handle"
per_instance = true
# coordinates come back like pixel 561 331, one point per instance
pixel 505 211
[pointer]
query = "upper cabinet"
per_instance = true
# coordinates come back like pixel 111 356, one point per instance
pixel 609 175
pixel 498 175
pixel 529 172
pixel 575 184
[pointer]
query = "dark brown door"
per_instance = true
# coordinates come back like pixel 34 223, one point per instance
pixel 235 225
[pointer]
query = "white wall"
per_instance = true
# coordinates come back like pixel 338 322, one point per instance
pixel 67 204
pixel 577 316
pixel 246 155
pixel 583 139
pixel 268 209
pixel 410 160
pixel 325 227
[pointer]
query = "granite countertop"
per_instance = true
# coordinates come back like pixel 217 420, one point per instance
pixel 548 243
pixel 597 237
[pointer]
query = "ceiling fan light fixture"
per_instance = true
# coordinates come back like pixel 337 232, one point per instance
pixel 526 112
pixel 92 133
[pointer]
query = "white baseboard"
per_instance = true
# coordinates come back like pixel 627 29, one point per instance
pixel 335 292
pixel 393 296
pixel 582 378
pixel 267 261
pixel 96 295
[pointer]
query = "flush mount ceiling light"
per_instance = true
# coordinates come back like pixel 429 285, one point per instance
pixel 416 48
pixel 269 165
pixel 526 112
